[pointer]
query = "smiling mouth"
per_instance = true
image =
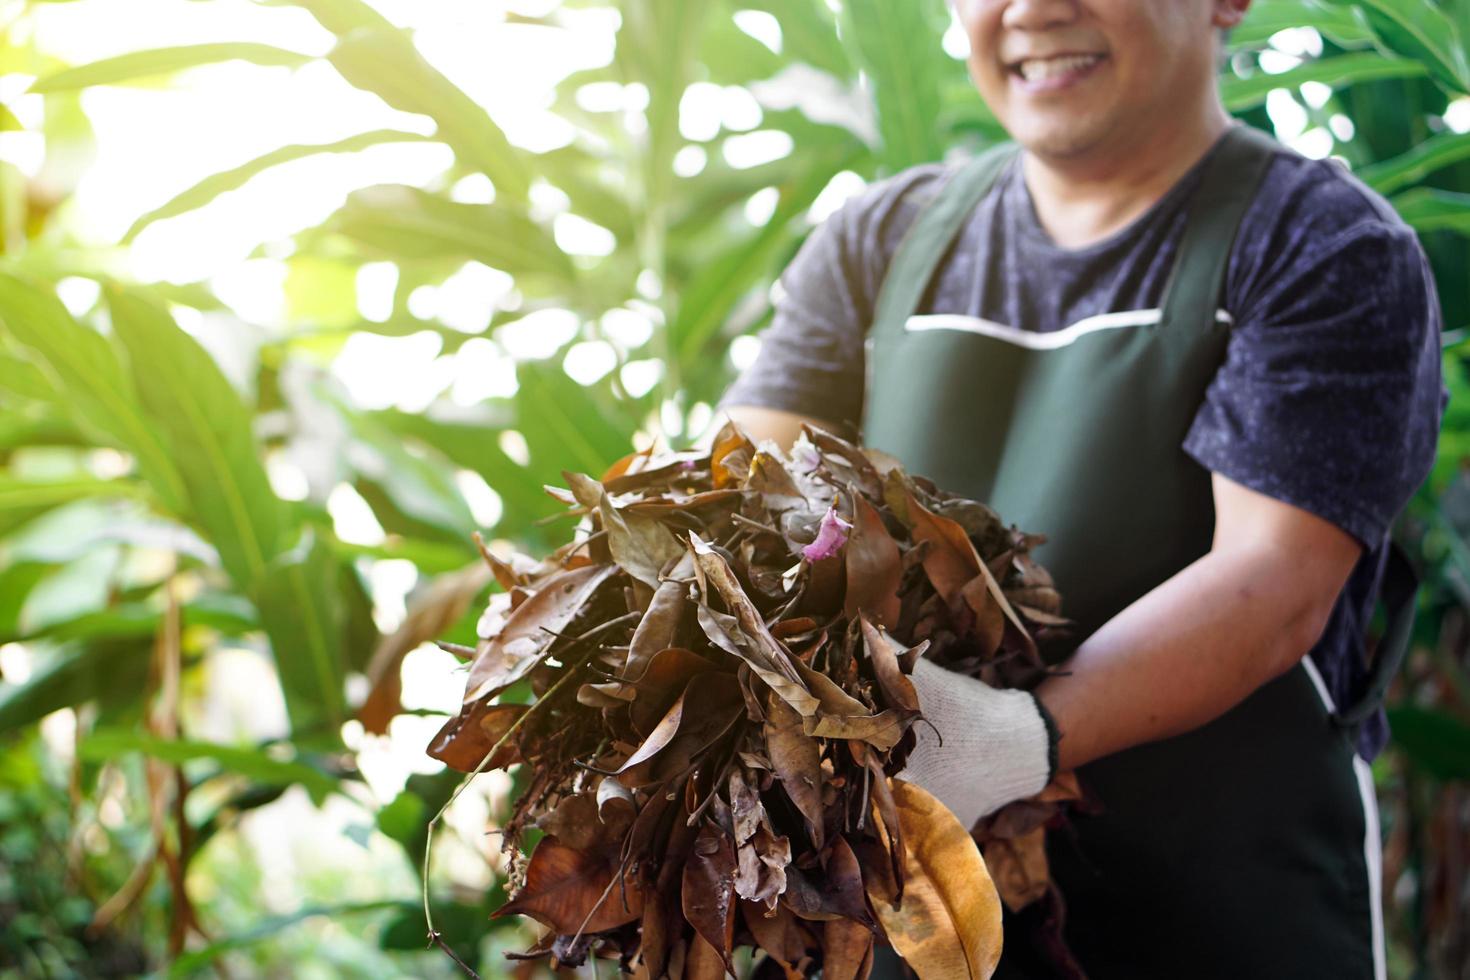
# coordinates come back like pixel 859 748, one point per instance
pixel 1040 70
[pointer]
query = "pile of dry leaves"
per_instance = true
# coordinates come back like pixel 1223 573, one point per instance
pixel 719 667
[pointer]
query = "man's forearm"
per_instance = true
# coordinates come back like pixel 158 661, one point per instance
pixel 1185 653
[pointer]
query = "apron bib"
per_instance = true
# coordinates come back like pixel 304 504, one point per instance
pixel 1243 849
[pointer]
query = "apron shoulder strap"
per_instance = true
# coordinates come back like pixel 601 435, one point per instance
pixel 929 237
pixel 1230 181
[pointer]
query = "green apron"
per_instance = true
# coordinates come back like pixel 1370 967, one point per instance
pixel 1247 848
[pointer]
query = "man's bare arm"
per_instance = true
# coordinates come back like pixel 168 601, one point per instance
pixel 1199 643
pixel 776 424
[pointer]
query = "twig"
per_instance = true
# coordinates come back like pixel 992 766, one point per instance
pixel 436 939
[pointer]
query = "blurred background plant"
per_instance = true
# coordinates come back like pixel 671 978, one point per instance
pixel 296 295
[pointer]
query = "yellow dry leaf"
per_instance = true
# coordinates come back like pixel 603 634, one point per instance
pixel 948 925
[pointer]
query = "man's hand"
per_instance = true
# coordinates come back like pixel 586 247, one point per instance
pixel 997 746
pixel 1202 641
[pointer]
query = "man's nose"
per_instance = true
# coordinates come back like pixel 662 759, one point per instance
pixel 1035 15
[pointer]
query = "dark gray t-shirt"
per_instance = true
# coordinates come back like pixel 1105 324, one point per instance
pixel 1329 397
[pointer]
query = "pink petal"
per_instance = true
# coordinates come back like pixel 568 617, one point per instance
pixel 831 536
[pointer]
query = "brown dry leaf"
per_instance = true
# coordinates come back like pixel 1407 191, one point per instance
pixel 706 710
pixel 797 760
pixel 529 631
pixel 708 892
pixel 564 886
pixel 704 961
pixel 874 566
pixel 883 653
pixel 1019 868
pixel 466 739
pixel 640 545
pixel 846 947
pixel 730 457
pixel 776 932
pixel 745 634
pixel 761 864
pixel 948 924
pixel 659 627
pixel 952 561
pixel 841 715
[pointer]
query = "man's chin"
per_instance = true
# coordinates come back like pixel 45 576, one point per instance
pixel 1062 144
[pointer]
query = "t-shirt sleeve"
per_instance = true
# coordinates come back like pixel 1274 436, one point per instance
pixel 811 358
pixel 1330 396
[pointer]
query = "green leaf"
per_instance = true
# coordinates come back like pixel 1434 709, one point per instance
pixel 401 222
pixel 75 674
pixel 1437 152
pixel 1428 209
pixel 255 764
pixel 96 387
pixel 191 963
pixel 214 185
pixel 421 487
pixel 568 426
pixel 808 34
pixel 1421 32
pixel 165 61
pixel 1435 740
pixel 474 447
pixel 386 63
pixel 1265 19
pixel 20 378
pixel 899 46
pixel 209 431
pixel 22 500
pixel 706 302
pixel 301 608
pixel 1348 69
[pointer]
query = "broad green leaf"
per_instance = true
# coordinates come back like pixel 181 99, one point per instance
pixel 808 33
pixel 1435 740
pixel 386 63
pixel 706 301
pixel 898 45
pixel 1427 209
pixel 730 56
pixel 19 377
pixel 421 487
pixel 1420 31
pixel 195 961
pixel 214 185
pixel 568 426
pixel 95 385
pixel 17 579
pixel 1340 25
pixel 657 46
pixel 256 764
pixel 22 500
pixel 75 674
pixel 475 447
pixel 1349 69
pixel 398 221
pixel 302 611
pixel 209 431
pixel 228 614
pixel 1435 153
pixel 338 16
pixel 164 61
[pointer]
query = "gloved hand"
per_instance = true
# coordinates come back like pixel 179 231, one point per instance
pixel 999 746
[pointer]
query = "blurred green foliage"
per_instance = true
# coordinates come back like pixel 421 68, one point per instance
pixel 126 583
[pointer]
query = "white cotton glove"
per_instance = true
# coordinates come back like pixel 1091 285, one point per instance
pixel 999 746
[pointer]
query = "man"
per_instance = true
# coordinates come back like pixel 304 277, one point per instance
pixel 1208 370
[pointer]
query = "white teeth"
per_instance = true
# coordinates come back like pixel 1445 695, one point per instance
pixel 1041 69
